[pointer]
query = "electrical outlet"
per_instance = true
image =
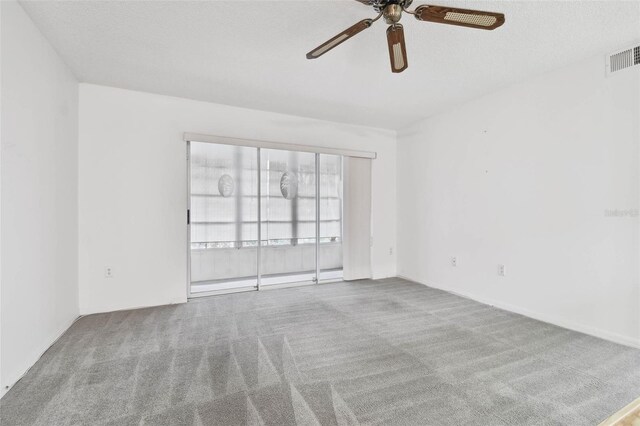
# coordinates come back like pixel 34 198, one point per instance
pixel 390 251
pixel 454 261
pixel 108 272
pixel 502 270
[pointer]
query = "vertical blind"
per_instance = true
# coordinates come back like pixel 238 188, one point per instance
pixel 357 218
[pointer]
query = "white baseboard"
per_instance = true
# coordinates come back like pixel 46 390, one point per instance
pixel 84 313
pixel 618 417
pixel 551 319
pixel 30 361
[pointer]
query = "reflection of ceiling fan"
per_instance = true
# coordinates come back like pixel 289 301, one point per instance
pixel 392 12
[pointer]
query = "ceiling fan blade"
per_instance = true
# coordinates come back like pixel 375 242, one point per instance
pixel 367 2
pixel 397 48
pixel 462 17
pixel 340 38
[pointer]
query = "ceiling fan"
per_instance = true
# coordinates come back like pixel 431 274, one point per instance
pixel 392 12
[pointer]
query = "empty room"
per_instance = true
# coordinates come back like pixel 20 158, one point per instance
pixel 320 212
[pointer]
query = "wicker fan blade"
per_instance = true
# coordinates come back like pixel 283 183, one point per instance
pixel 397 48
pixel 340 38
pixel 461 17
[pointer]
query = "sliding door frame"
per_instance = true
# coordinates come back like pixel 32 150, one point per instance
pixel 317 278
pixel 259 247
pixel 189 295
pixel 220 140
pixel 253 143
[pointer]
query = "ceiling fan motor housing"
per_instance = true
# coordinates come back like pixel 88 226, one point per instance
pixel 392 13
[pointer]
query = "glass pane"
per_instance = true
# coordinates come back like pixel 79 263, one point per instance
pixel 330 251
pixel 288 216
pixel 224 212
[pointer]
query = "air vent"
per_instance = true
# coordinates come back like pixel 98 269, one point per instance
pixel 623 59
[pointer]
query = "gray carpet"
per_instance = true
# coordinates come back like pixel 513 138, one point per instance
pixel 370 352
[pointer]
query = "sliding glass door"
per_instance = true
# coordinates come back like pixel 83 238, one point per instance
pixel 262 217
pixel 223 217
pixel 288 216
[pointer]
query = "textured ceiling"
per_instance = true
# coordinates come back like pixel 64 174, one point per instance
pixel 252 53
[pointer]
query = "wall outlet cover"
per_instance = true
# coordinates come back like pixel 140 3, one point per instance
pixel 502 270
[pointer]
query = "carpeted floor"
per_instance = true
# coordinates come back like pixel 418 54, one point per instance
pixel 370 352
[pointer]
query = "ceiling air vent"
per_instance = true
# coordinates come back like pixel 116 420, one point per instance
pixel 623 59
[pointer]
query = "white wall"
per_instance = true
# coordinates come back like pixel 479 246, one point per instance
pixel 132 168
pixel 39 195
pixel 523 178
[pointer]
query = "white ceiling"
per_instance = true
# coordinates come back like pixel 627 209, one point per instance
pixel 252 53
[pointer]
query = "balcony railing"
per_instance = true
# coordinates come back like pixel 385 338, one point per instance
pixel 206 245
